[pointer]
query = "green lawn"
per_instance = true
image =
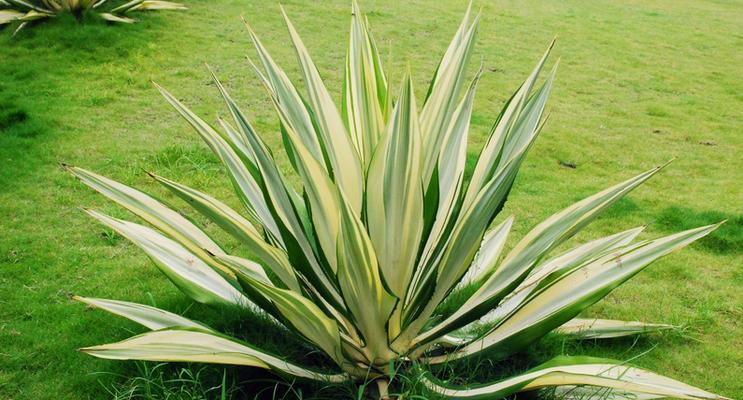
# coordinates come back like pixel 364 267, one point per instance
pixel 640 82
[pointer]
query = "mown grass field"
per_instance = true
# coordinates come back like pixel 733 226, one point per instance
pixel 640 82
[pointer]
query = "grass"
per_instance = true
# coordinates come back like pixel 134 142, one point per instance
pixel 639 83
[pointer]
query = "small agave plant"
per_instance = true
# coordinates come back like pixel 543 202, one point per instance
pixel 384 229
pixel 26 11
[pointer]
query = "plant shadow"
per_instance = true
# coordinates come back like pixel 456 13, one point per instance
pixel 42 65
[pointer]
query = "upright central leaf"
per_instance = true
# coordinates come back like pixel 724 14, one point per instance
pixel 443 95
pixel 365 89
pixel 336 142
pixel 394 204
pixel 361 285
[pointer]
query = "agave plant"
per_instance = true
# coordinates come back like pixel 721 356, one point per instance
pixel 383 228
pixel 25 11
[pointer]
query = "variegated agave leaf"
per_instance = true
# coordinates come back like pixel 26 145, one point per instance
pixel 25 11
pixel 382 228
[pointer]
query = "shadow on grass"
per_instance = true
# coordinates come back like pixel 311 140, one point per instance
pixel 89 39
pixel 727 239
pixel 39 64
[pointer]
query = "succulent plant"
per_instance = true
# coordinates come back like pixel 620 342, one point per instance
pixel 26 11
pixel 383 228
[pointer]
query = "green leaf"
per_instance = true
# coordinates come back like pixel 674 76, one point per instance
pixel 564 261
pixel 578 371
pixel 322 195
pixel 336 142
pixel 320 190
pixel 535 245
pixel 300 312
pixel 247 187
pixel 7 16
pixel 150 317
pixel 489 253
pixel 288 102
pixel 361 284
pixel 440 108
pixel 194 277
pixel 117 18
pixel 151 5
pixel 247 267
pixel 239 227
pixel 477 213
pixel 570 259
pixel 492 156
pixel 34 15
pixel 560 299
pixel 365 89
pixel 159 215
pixel 194 345
pixel 394 206
pixel 288 206
pixel 449 180
pixel 237 138
pixel 589 328
pixel 460 250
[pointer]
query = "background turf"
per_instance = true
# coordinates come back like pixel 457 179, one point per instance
pixel 640 82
